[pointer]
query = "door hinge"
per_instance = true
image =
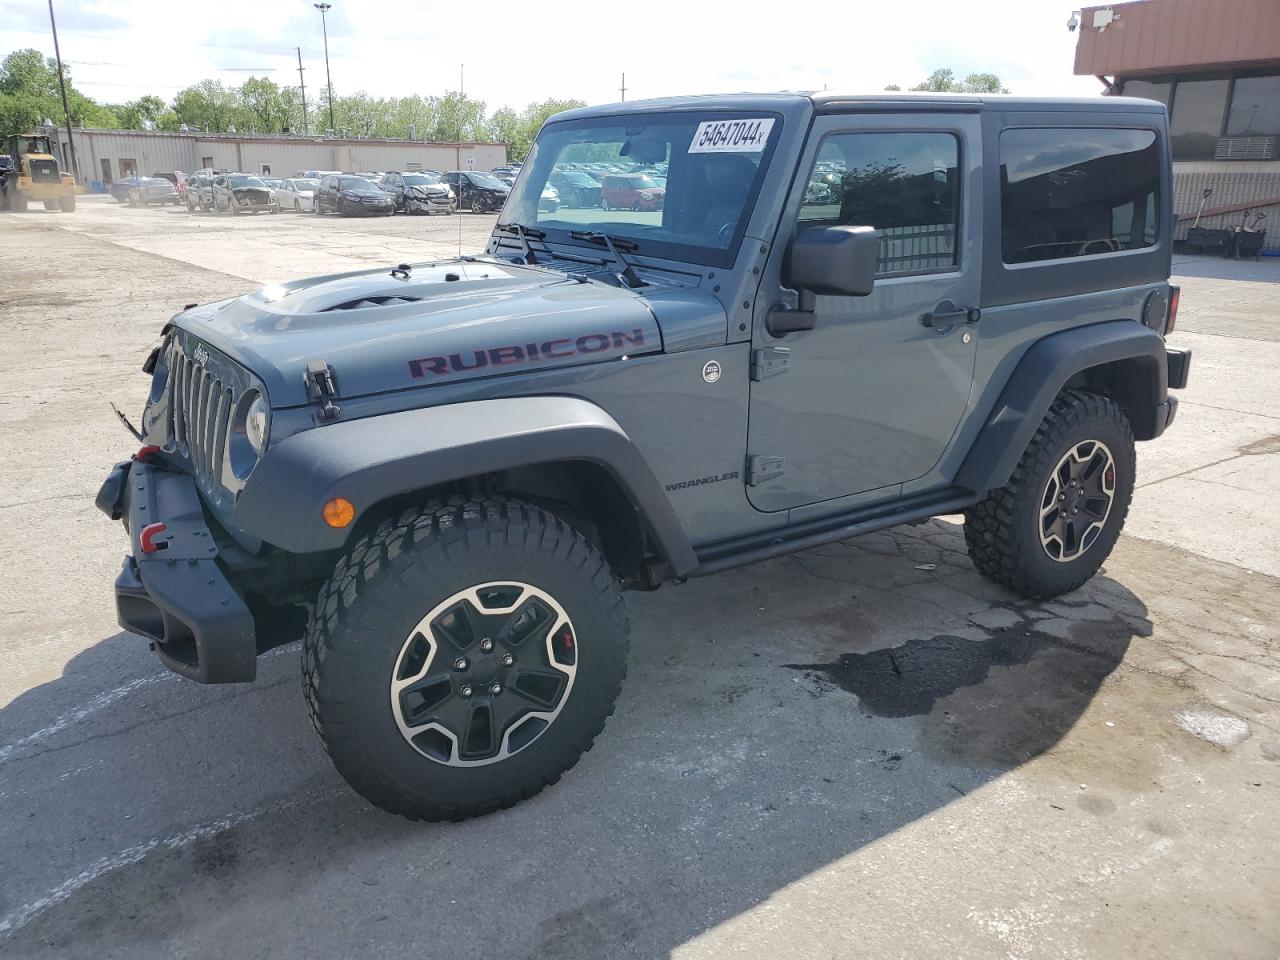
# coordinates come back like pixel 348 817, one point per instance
pixel 770 362
pixel 760 469
pixel 322 387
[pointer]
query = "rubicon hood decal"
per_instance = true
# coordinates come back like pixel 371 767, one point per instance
pixel 440 322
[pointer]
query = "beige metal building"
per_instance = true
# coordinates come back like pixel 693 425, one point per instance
pixel 107 155
pixel 1216 65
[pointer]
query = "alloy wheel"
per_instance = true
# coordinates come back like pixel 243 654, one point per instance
pixel 484 674
pixel 1077 500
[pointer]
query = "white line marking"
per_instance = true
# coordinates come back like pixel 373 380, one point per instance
pixel 131 855
pixel 104 700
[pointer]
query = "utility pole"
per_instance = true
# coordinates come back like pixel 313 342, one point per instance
pixel 324 8
pixel 303 84
pixel 623 88
pixel 462 79
pixel 62 85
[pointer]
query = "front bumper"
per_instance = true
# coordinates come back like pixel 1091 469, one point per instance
pixel 176 595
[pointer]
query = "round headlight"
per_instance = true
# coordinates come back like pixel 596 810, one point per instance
pixel 256 421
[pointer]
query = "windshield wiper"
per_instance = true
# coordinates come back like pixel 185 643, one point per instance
pixel 523 234
pixel 626 273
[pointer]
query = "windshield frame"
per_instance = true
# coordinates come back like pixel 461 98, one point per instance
pixel 245 181
pixel 537 169
pixel 410 180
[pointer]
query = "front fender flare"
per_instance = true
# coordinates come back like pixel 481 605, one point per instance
pixel 371 459
pixel 1041 374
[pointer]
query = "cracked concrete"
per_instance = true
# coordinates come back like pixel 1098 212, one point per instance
pixel 948 771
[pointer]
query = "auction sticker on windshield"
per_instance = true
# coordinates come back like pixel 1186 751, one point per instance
pixel 731 136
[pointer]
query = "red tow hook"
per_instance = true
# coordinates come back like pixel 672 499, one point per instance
pixel 147 537
pixel 146 451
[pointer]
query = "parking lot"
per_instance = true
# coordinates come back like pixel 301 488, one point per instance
pixel 861 750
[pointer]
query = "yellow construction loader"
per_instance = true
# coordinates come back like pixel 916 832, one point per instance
pixel 29 173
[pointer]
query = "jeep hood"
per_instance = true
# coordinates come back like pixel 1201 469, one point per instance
pixel 382 330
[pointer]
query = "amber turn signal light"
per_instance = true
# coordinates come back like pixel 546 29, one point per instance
pixel 339 512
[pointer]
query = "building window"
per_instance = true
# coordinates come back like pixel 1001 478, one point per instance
pixel 1077 192
pixel 903 184
pixel 1199 107
pixel 1255 107
pixel 266 169
pixel 1148 89
pixel 206 163
pixel 128 168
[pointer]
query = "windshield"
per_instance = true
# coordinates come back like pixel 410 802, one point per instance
pixel 243 181
pixel 486 180
pixel 357 185
pixel 713 165
pixel 305 184
pixel 420 180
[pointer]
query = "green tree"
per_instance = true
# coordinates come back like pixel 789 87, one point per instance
pixel 262 106
pixel 531 121
pixel 209 105
pixel 944 81
pixel 141 114
pixel 459 118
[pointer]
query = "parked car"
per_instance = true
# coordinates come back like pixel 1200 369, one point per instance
pixel 511 170
pixel 177 178
pixel 477 192
pixel 152 191
pixel 315 174
pixel 119 189
pixel 350 195
pixel 549 199
pixel 200 192
pixel 576 187
pixel 243 193
pixel 631 191
pixel 418 192
pixel 297 194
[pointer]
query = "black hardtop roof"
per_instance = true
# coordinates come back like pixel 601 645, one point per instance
pixel 827 102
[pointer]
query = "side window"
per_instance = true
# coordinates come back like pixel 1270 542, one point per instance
pixel 1077 192
pixel 906 185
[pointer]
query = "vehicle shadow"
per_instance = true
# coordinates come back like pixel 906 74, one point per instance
pixel 775 720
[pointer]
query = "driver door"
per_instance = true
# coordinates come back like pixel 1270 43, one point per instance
pixel 871 397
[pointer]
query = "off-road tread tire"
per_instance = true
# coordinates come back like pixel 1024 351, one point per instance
pixel 999 530
pixel 395 558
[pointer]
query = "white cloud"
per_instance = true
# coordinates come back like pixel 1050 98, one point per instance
pixel 519 53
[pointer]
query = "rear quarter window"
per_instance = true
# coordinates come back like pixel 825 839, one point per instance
pixel 1077 192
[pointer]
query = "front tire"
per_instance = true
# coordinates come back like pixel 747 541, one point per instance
pixel 463 656
pixel 1050 528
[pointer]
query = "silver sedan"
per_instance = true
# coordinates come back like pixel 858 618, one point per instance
pixel 297 194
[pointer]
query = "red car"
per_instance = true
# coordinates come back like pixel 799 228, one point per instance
pixel 631 191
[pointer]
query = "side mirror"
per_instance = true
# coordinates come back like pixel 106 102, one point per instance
pixel 834 261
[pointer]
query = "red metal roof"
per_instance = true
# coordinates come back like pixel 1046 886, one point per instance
pixel 1172 36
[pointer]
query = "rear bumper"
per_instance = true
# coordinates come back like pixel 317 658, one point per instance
pixel 1178 363
pixel 176 595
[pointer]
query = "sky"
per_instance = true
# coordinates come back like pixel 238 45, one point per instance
pixel 513 54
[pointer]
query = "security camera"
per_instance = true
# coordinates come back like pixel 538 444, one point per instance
pixel 1073 22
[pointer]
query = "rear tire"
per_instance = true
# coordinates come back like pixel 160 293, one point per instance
pixel 1030 535
pixel 18 203
pixel 410 638
pixel 67 204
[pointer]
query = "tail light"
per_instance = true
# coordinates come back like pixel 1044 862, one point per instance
pixel 1174 294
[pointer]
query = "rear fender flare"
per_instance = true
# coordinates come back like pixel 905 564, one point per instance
pixel 1041 374
pixel 370 460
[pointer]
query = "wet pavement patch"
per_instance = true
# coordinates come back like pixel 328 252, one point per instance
pixel 973 713
pixel 909 680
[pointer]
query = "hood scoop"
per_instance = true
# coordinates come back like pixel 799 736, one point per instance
pixel 363 302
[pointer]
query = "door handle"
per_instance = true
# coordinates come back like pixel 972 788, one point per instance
pixel 947 314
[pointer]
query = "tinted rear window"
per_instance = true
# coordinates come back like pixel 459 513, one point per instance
pixel 1077 192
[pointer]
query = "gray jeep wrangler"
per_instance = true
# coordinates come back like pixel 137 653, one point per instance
pixel 811 317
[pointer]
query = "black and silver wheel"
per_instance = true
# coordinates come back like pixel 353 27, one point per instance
pixel 463 656
pixel 1051 527
pixel 477 204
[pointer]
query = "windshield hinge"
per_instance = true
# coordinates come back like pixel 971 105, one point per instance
pixel 769 362
pixel 760 469
pixel 322 388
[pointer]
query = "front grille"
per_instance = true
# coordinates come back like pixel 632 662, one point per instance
pixel 201 406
